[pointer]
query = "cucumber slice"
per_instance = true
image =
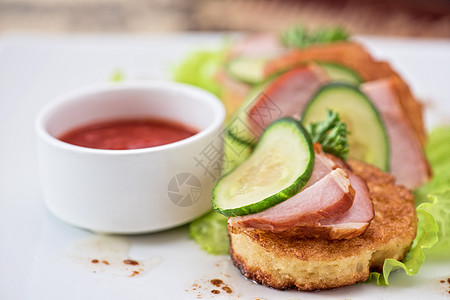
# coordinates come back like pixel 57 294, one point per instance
pixel 238 127
pixel 235 152
pixel 368 138
pixel 340 73
pixel 278 168
pixel 247 69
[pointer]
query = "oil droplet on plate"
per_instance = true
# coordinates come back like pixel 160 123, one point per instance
pixel 109 254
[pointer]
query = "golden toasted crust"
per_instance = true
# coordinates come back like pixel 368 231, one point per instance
pixel 350 54
pixel 309 264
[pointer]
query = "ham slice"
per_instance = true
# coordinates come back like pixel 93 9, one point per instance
pixel 330 196
pixel 356 220
pixel 335 204
pixel 262 45
pixel 287 95
pixel 266 46
pixel 322 166
pixel 408 163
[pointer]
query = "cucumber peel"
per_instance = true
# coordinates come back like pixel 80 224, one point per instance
pixel 238 127
pixel 247 69
pixel 340 73
pixel 250 70
pixel 368 139
pixel 279 167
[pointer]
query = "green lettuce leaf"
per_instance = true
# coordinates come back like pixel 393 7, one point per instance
pixel 437 151
pixel 425 239
pixel 433 211
pixel 210 232
pixel 200 67
pixel 439 208
pixel 438 189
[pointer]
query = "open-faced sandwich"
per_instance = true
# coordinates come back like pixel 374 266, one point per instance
pixel 325 143
pixel 299 216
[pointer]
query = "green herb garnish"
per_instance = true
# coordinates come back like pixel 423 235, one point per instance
pixel 300 37
pixel 331 134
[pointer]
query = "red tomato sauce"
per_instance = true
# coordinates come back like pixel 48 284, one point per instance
pixel 127 134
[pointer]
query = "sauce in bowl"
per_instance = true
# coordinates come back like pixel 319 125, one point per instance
pixel 127 134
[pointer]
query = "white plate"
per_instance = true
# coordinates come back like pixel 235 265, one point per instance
pixel 37 250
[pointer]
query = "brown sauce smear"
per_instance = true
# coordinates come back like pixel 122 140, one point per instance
pixel 216 282
pixel 130 262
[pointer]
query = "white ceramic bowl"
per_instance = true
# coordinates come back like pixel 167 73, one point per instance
pixel 131 191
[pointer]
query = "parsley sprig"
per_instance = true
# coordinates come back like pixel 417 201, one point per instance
pixel 300 37
pixel 331 134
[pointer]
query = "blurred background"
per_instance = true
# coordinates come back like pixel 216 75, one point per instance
pixel 412 18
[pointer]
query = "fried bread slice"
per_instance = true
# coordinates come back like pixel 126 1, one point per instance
pixel 309 264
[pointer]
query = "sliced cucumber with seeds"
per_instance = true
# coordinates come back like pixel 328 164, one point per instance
pixel 368 139
pixel 247 69
pixel 340 73
pixel 279 167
